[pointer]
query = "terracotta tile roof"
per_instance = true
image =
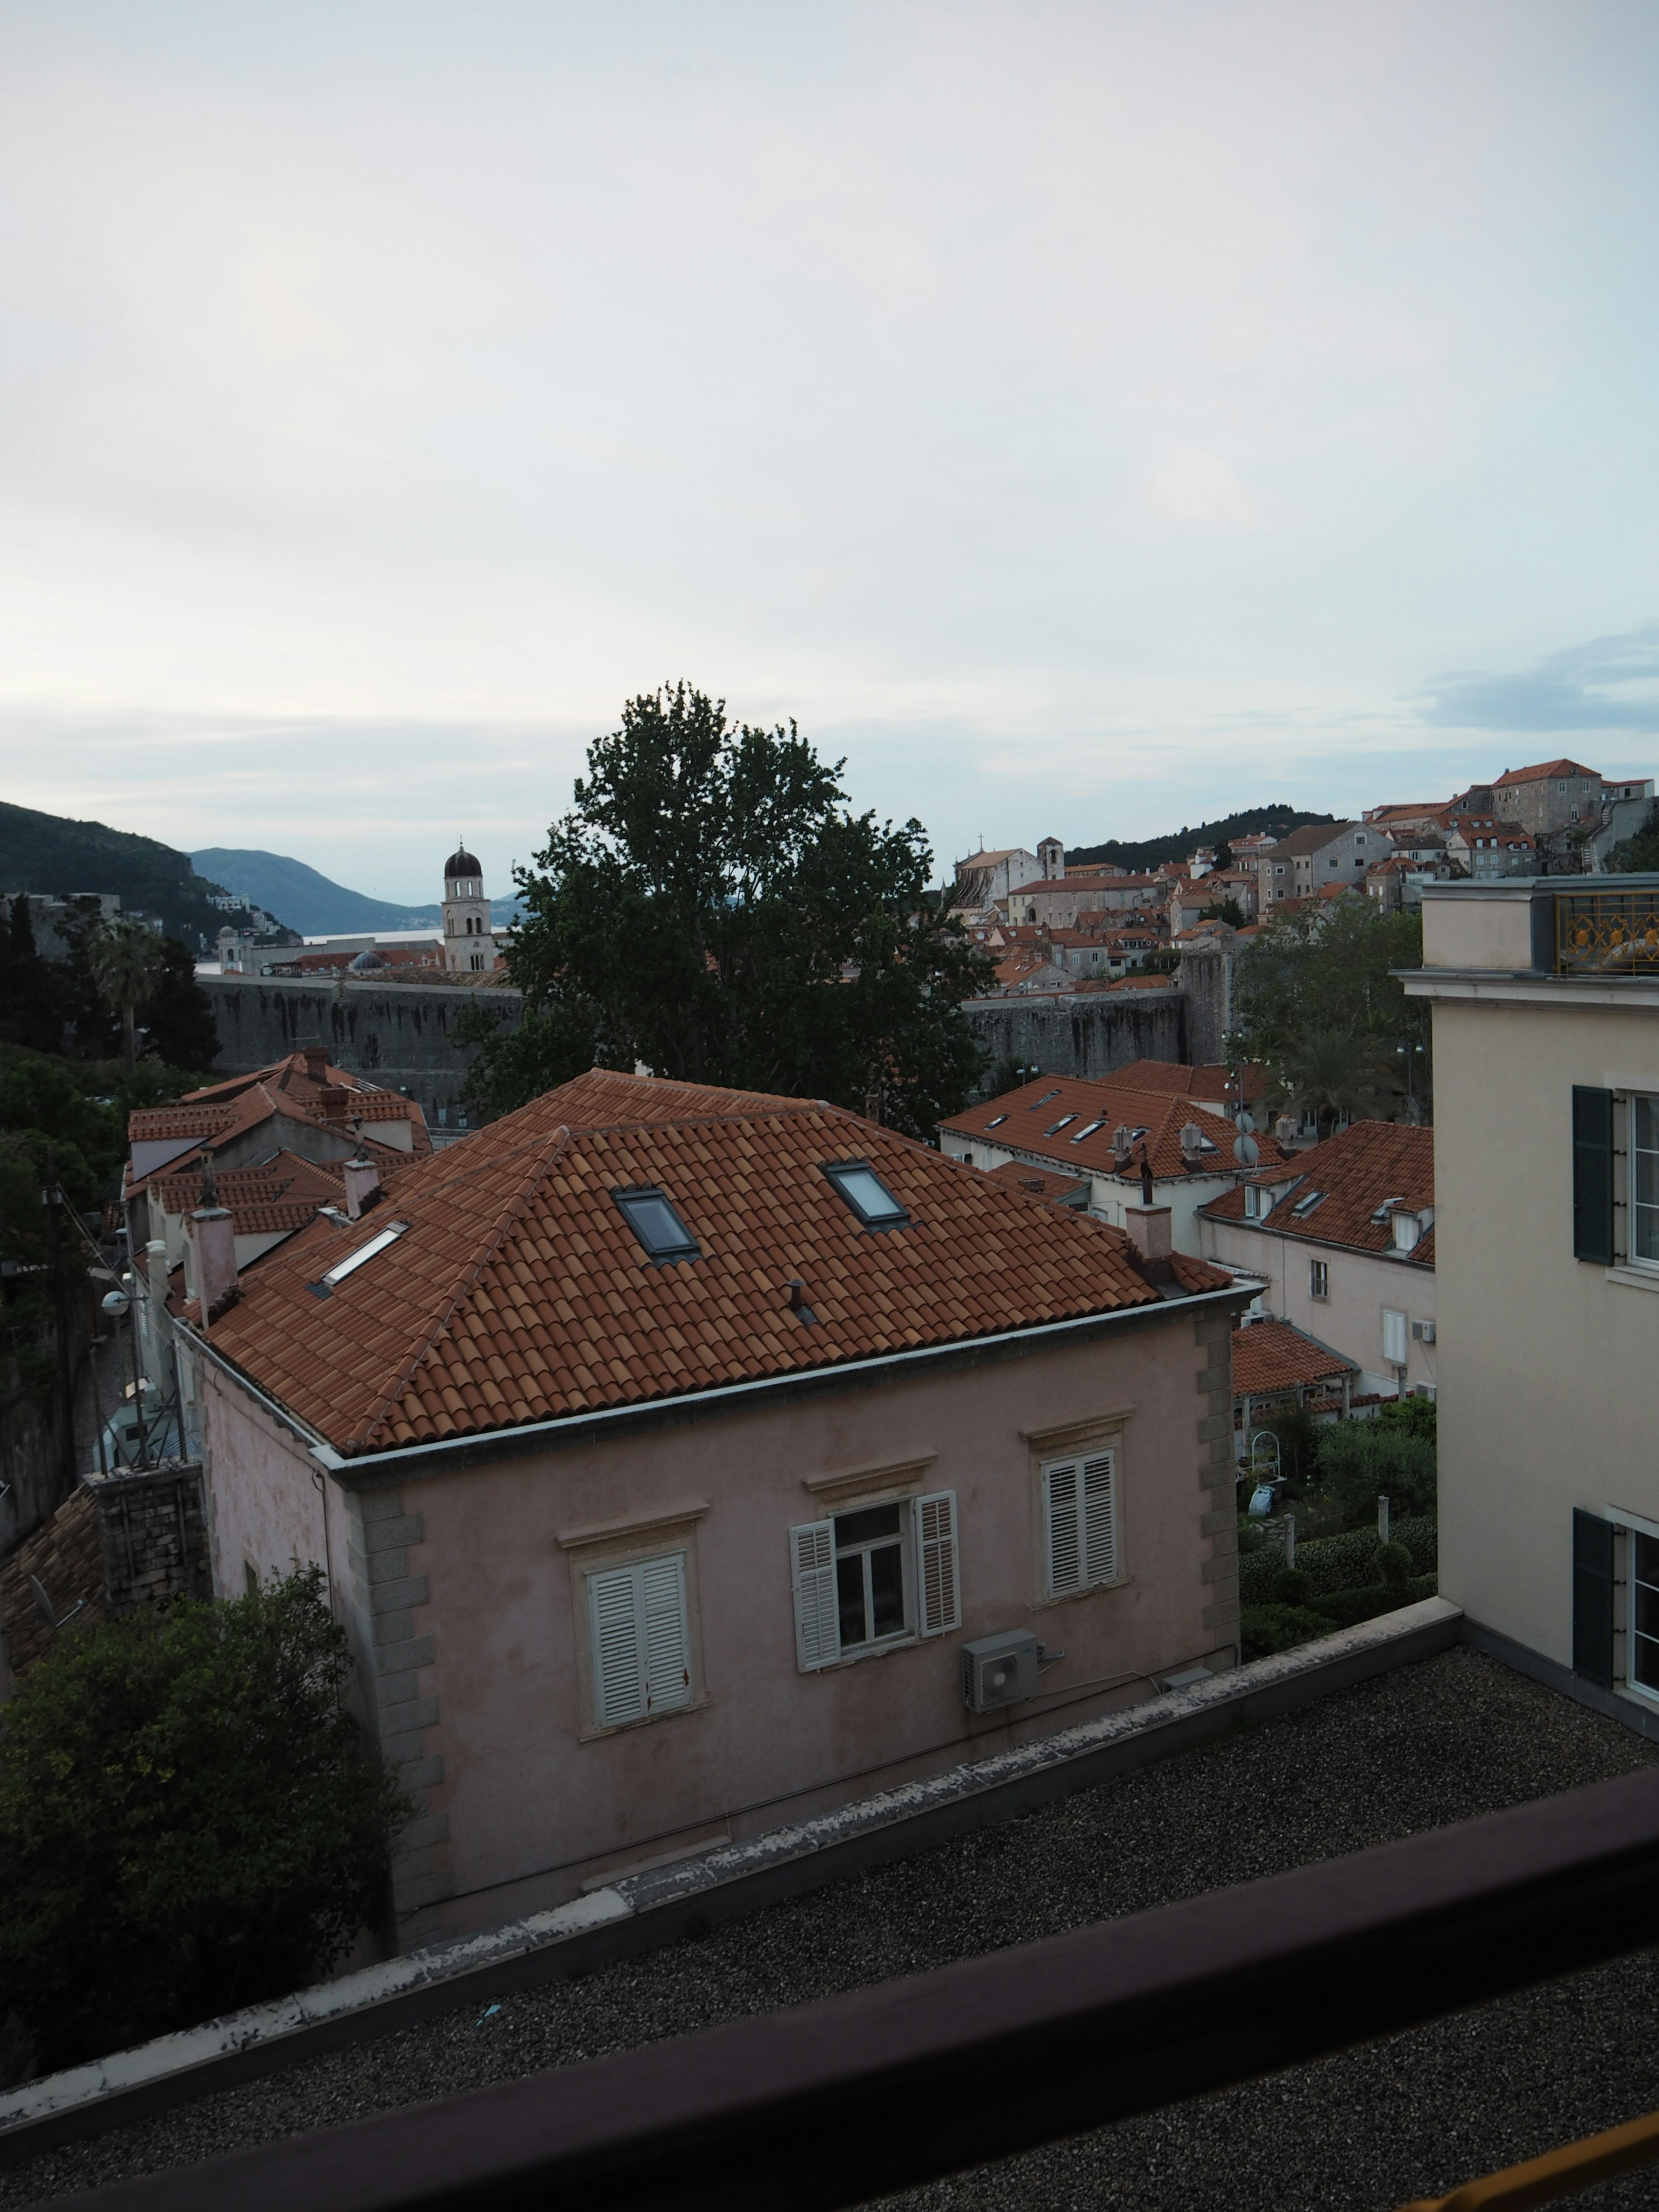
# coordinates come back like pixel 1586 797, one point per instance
pixel 303 1088
pixel 283 1193
pixel 1560 769
pixel 1029 1120
pixel 1358 1171
pixel 1059 1190
pixel 519 1293
pixel 1312 838
pixel 1190 1082
pixel 1271 1355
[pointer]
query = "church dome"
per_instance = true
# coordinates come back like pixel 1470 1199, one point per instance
pixel 460 863
pixel 365 962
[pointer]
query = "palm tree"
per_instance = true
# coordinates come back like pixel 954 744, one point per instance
pixel 126 965
pixel 1331 1072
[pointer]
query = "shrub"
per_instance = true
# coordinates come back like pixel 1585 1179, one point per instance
pixel 1265 1629
pixel 1292 1587
pixel 1333 1563
pixel 1358 1458
pixel 1344 1607
pixel 187 1824
pixel 1394 1564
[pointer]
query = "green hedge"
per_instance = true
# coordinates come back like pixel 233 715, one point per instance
pixel 1264 1629
pixel 1335 1563
pixel 1344 1607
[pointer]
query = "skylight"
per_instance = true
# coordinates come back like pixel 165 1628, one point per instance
pixel 353 1260
pixel 1087 1130
pixel 1307 1205
pixel 867 1194
pixel 1063 1123
pixel 1044 1101
pixel 996 1120
pixel 654 1220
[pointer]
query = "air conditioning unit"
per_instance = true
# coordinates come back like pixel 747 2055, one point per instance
pixel 999 1670
pixel 1423 1332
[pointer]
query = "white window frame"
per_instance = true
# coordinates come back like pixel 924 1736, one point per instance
pixel 1629 1100
pixel 1396 1328
pixel 1628 1525
pixel 1319 1279
pixel 1082 1545
pixel 639 1629
pixel 931 1553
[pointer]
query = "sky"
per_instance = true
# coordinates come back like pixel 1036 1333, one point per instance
pixel 1085 419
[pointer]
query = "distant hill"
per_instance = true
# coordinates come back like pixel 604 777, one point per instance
pixel 1150 852
pixel 309 902
pixel 50 854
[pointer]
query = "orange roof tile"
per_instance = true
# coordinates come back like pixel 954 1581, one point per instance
pixel 1068 1120
pixel 221 1111
pixel 282 1193
pixel 1563 770
pixel 1271 1355
pixel 519 1293
pixel 1359 1172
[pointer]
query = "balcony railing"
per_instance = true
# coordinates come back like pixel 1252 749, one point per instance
pixel 1607 932
pixel 883 2088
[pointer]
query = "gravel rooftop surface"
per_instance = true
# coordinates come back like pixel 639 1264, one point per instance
pixel 1415 2115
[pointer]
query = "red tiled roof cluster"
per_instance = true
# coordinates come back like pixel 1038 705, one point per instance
pixel 303 1087
pixel 518 1292
pixel 1271 1355
pixel 1066 1119
pixel 282 1193
pixel 1359 1171
pixel 1561 770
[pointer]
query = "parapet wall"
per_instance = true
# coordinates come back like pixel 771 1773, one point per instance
pixel 1089 1033
pixel 399 1035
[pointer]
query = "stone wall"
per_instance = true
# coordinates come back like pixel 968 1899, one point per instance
pixel 399 1035
pixel 1089 1033
pixel 118 1541
pixel 1206 983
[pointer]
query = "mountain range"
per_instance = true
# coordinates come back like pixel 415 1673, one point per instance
pixel 54 856
pixel 309 902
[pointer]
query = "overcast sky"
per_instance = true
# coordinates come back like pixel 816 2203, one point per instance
pixel 1087 418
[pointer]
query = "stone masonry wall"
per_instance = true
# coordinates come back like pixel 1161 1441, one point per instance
pixel 399 1035
pixel 1088 1033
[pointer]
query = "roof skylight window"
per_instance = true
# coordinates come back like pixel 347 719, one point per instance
pixel 1063 1123
pixel 653 1218
pixel 1087 1130
pixel 353 1260
pixel 1044 1101
pixel 1307 1205
pixel 996 1120
pixel 867 1194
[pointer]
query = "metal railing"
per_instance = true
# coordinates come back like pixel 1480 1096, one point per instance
pixel 1607 932
pixel 879 2090
pixel 1557 2174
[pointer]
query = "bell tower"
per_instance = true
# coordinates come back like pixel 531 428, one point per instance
pixel 469 945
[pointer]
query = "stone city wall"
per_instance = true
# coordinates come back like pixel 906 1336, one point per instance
pixel 1089 1033
pixel 397 1035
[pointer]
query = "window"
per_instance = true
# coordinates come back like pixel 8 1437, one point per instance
pixel 1645 1180
pixel 353 1260
pixel 1079 1521
pixel 996 1120
pixel 874 1577
pixel 1087 1130
pixel 1319 1279
pixel 1407 1231
pixel 1257 1202
pixel 1306 1203
pixel 1063 1123
pixel 967 1159
pixel 641 1643
pixel 657 1226
pixel 1395 1337
pixel 867 1194
pixel 1643 1660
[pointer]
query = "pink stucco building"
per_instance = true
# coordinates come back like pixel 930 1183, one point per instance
pixel 664 1447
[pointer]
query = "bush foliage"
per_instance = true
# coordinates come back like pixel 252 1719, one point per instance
pixel 1335 1563
pixel 187 1824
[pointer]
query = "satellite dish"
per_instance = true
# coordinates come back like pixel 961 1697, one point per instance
pixel 1245 1120
pixel 1246 1150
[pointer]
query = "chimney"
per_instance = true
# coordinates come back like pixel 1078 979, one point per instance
pixel 210 1259
pixel 316 1062
pixel 362 1180
pixel 334 1102
pixel 1149 1231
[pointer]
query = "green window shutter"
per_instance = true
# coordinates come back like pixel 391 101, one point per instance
pixel 1592 1597
pixel 1592 1174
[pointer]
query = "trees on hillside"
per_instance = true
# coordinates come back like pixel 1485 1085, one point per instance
pixel 127 963
pixel 1318 1004
pixel 187 1824
pixel 710 906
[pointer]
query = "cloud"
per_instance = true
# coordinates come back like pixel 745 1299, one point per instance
pixel 1197 490
pixel 1605 684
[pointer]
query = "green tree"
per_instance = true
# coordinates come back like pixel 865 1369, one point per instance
pixel 1638 855
pixel 28 1010
pixel 187 1824
pixel 711 907
pixel 1328 971
pixel 1337 1074
pixel 126 966
pixel 178 1021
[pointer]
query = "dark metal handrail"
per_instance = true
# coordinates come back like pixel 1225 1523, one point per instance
pixel 859 2095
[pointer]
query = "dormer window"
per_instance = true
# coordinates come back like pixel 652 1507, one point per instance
pixel 1258 1202
pixel 1407 1229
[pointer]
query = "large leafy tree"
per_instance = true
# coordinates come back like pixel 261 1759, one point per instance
pixel 1318 1002
pixel 710 906
pixel 187 1823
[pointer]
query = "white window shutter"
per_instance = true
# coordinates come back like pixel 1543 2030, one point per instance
pixel 1062 1526
pixel 618 1672
pixel 1100 1517
pixel 667 1638
pixel 1393 1337
pixel 818 1619
pixel 937 1584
